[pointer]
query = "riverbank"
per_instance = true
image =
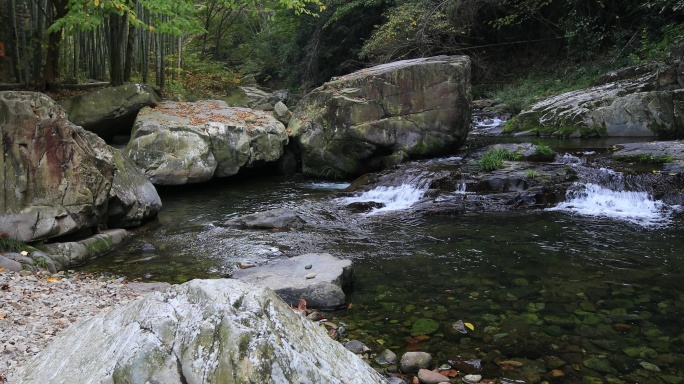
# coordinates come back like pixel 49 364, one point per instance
pixel 34 308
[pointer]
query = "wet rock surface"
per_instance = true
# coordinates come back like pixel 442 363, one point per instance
pixel 272 219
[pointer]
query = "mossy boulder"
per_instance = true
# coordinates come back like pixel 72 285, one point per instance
pixel 377 117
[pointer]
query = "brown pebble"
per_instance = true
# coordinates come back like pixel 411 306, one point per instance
pixel 621 327
pixel 557 373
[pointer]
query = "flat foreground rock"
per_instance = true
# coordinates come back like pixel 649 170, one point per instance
pixel 288 278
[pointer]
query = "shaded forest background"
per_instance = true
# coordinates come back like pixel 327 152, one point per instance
pixel 205 47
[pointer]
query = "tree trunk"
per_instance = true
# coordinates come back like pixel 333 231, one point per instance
pixel 130 44
pixel 115 28
pixel 14 41
pixel 51 69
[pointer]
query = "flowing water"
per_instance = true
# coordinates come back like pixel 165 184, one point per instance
pixel 591 288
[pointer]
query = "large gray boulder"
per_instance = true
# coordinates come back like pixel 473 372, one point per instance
pixel 203 331
pixel 59 179
pixel 110 111
pixel 318 278
pixel 644 101
pixel 182 143
pixel 380 116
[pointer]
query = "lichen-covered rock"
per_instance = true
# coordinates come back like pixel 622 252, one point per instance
pixel 203 331
pixel 59 179
pixel 183 143
pixel 634 102
pixel 381 116
pixel 110 111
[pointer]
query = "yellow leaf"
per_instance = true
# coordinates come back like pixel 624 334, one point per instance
pixel 97 2
pixel 2 269
pixel 470 326
pixel 51 279
pixel 151 28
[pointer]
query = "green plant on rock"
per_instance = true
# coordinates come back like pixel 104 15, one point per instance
pixel 544 151
pixel 530 174
pixel 41 262
pixel 494 158
pixel 8 244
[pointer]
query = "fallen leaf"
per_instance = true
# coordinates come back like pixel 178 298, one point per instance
pixel 5 287
pixel 470 326
pixel 302 305
pixel 349 306
pixel 415 380
pixel 449 373
pixel 422 337
pixel 3 315
pixel 414 347
pixel 2 269
pixel 52 279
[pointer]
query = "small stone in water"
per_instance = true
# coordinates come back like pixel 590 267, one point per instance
pixel 356 346
pixel 310 275
pixel 471 379
pixel 649 366
pixel 430 377
pixel 308 266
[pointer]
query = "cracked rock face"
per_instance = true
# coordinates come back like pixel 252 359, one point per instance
pixel 59 179
pixel 183 143
pixel 381 116
pixel 203 331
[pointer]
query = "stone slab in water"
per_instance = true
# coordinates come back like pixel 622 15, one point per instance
pixel 272 219
pixel 288 278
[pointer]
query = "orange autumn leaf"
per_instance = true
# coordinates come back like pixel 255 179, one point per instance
pixel 3 315
pixel 51 279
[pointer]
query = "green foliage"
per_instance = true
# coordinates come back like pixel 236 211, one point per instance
pixel 203 78
pixel 170 17
pixel 8 244
pixel 544 151
pixel 655 46
pixel 422 28
pixel 531 174
pixel 646 158
pixel 494 159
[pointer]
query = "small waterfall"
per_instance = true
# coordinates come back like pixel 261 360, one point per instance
pixel 393 198
pixel 632 206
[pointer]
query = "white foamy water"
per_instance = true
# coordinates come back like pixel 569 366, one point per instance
pixel 489 123
pixel 634 207
pixel 393 198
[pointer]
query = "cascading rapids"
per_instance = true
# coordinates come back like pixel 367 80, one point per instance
pixel 394 198
pixel 635 207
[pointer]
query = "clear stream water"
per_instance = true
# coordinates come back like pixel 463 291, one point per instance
pixel 590 290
